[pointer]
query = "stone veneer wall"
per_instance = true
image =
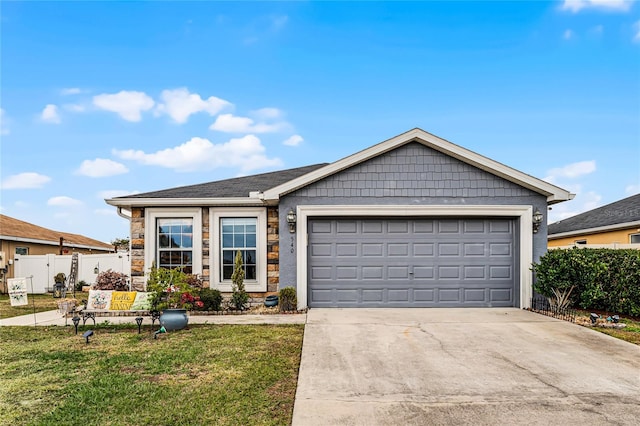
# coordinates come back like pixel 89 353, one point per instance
pixel 273 250
pixel 138 282
pixel 138 268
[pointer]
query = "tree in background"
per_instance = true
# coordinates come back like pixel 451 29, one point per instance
pixel 121 244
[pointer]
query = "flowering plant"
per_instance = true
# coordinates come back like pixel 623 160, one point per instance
pixel 173 289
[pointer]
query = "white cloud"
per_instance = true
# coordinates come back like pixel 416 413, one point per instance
pixel 636 29
pixel 127 104
pixel 568 34
pixel 231 124
pixel 50 114
pixel 28 180
pixel 267 113
pixel 632 189
pixel 571 171
pixel 63 201
pixel 74 107
pixel 101 167
pixel 246 152
pixel 294 140
pixel 4 128
pixel 70 91
pixel 113 193
pixel 179 104
pixel 576 6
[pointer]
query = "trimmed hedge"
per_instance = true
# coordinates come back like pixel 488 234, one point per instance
pixel 604 279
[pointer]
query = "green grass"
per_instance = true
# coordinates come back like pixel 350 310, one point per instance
pixel 43 302
pixel 222 375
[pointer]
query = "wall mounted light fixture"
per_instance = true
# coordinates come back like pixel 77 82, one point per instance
pixel 537 220
pixel 291 220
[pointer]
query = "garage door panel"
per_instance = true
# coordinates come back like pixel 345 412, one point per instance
pixel 475 295
pixel 419 262
pixel 346 249
pixel 401 295
pixel 372 249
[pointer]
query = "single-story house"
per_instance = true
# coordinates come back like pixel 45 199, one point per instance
pixel 24 238
pixel 414 221
pixel 617 223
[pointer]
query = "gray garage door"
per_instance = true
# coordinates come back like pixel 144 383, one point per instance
pixel 412 262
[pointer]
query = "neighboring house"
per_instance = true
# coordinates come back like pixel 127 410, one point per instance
pixel 614 224
pixel 18 237
pixel 414 221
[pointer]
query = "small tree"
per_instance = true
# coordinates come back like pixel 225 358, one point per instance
pixel 121 244
pixel 239 297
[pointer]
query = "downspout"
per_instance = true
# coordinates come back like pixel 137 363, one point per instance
pixel 122 215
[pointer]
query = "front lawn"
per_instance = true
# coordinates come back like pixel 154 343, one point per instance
pixel 223 375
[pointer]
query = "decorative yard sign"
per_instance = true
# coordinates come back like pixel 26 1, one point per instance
pixel 122 300
pixel 142 302
pixel 99 299
pixel 109 300
pixel 17 291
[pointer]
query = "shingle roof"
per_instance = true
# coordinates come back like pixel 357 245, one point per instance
pixel 14 228
pixel 623 211
pixel 236 187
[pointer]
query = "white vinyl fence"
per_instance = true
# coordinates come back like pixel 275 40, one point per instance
pixel 44 267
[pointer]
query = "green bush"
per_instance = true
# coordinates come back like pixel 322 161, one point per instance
pixel 287 299
pixel 211 299
pixel 604 279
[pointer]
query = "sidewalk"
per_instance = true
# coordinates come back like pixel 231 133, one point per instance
pixel 51 318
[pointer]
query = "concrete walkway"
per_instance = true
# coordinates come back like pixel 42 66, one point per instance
pixel 51 318
pixel 462 366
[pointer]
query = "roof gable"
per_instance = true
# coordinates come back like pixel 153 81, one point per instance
pixel 553 193
pixel 619 214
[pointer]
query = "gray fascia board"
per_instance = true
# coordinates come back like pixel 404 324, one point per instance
pixel 181 202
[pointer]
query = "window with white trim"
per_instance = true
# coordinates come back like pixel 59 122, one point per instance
pixel 175 243
pixel 241 229
pixel 238 234
pixel 634 238
pixel 173 238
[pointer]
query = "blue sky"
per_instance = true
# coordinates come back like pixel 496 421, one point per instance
pixel 108 99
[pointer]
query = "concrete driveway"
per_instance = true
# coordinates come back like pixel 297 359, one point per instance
pixel 462 366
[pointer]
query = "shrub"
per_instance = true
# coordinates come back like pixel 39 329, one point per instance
pixel 80 284
pixel 604 279
pixel 211 299
pixel 239 297
pixel 112 280
pixel 287 299
pixel 171 289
